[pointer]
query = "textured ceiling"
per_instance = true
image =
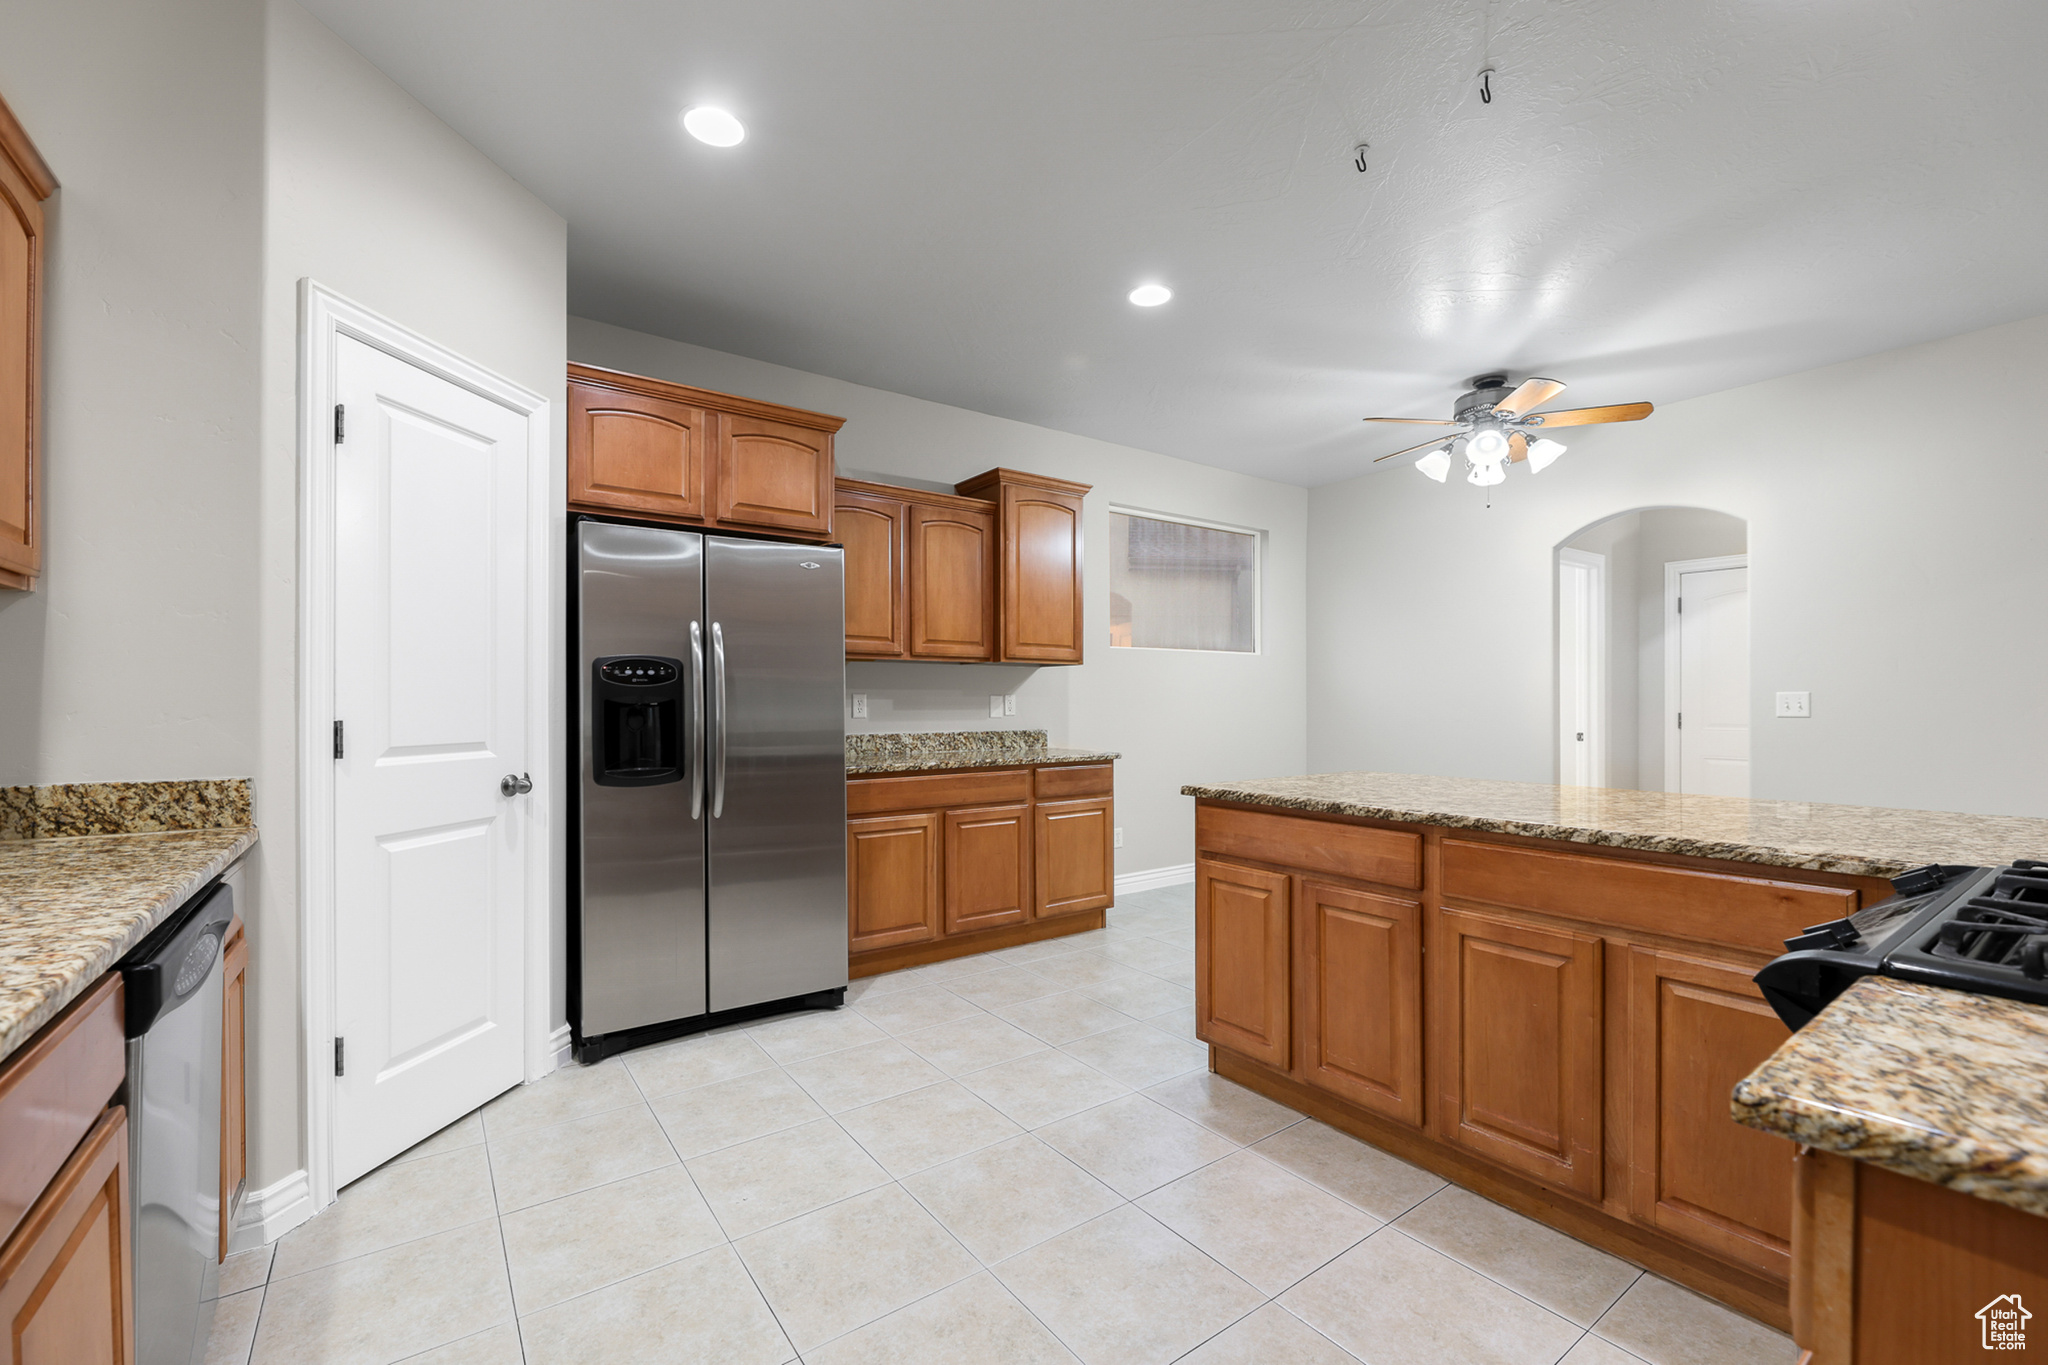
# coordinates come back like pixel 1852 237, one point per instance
pixel 950 198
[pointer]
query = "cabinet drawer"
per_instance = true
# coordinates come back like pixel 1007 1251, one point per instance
pixel 52 1092
pixel 1081 779
pixel 1753 913
pixel 867 796
pixel 1391 857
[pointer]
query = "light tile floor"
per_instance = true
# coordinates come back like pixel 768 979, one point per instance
pixel 1012 1158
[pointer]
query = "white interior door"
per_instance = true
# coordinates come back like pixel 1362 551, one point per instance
pixel 1581 662
pixel 1713 682
pixel 430 686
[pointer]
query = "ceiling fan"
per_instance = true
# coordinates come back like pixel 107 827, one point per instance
pixel 1494 428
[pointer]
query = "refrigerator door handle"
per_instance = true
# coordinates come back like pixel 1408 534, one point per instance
pixel 695 702
pixel 718 725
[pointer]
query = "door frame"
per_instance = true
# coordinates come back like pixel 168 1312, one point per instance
pixel 325 317
pixel 1673 657
pixel 1594 633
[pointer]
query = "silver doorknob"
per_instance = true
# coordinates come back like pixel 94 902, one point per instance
pixel 516 786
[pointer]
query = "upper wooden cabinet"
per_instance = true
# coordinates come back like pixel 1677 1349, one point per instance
pixel 25 182
pixel 646 448
pixel 920 573
pixel 1039 601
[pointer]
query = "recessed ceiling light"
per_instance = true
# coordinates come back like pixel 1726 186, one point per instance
pixel 1150 295
pixel 714 126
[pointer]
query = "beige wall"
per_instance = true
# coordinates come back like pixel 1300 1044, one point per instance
pixel 1176 717
pixel 1896 562
pixel 372 196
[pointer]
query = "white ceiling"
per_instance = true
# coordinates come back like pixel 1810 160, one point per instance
pixel 950 198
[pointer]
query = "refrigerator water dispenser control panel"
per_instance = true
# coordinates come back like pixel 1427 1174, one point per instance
pixel 636 721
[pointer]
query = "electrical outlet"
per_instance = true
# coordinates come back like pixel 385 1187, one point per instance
pixel 995 707
pixel 860 706
pixel 1795 703
pixel 1010 704
pixel 1118 842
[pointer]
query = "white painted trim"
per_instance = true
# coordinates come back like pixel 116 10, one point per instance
pixel 1130 883
pixel 325 316
pixel 1596 672
pixel 1673 658
pixel 558 1049
pixel 269 1213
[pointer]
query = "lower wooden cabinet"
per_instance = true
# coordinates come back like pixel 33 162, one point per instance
pixel 1241 980
pixel 1076 857
pixel 1361 997
pixel 988 867
pixel 892 880
pixel 1518 1009
pixel 1695 1028
pixel 965 861
pixel 67 1288
pixel 234 1081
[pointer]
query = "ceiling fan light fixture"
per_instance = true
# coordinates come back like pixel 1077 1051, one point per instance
pixel 1435 465
pixel 1486 446
pixel 1543 452
pixel 1486 473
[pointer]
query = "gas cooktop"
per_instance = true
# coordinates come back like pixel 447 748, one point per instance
pixel 1982 929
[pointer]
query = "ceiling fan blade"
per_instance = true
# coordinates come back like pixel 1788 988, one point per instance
pixel 1585 417
pixel 1518 448
pixel 1415 421
pixel 1434 441
pixel 1533 393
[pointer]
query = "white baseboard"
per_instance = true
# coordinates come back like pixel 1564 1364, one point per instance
pixel 271 1212
pixel 1130 883
pixel 558 1047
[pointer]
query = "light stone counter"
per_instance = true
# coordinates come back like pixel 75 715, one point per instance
pixel 1939 1084
pixel 70 907
pixel 868 755
pixel 1865 841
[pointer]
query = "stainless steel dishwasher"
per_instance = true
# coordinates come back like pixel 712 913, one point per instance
pixel 173 987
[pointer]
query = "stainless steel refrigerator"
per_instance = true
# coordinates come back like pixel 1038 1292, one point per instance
pixel 709 870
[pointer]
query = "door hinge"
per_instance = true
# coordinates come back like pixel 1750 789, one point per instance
pixel 1681 606
pixel 1681 720
pixel 337 1056
pixel 340 422
pixel 339 746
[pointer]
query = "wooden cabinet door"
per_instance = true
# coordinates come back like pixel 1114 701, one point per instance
pixel 773 476
pixel 636 452
pixel 1518 1020
pixel 67 1289
pixel 1076 862
pixel 1241 967
pixel 892 880
pixel 1361 994
pixel 988 867
pixel 234 1095
pixel 1695 1028
pixel 1041 579
pixel 872 532
pixel 952 583
pixel 24 183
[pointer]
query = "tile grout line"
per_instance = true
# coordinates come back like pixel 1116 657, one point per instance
pixel 504 1250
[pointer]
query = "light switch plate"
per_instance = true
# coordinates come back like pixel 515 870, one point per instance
pixel 1119 841
pixel 1795 703
pixel 860 706
pixel 995 707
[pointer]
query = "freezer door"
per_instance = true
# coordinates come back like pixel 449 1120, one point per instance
pixel 776 786
pixel 640 922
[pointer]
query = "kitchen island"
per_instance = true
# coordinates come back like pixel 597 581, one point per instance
pixel 1542 993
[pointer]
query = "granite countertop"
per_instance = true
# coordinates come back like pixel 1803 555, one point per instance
pixel 87 869
pixel 1939 1084
pixel 911 753
pixel 1858 840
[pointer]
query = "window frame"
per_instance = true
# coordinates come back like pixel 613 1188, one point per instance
pixel 1258 537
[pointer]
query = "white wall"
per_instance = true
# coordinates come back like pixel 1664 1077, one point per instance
pixel 1896 566
pixel 1176 717
pixel 374 197
pixel 134 657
